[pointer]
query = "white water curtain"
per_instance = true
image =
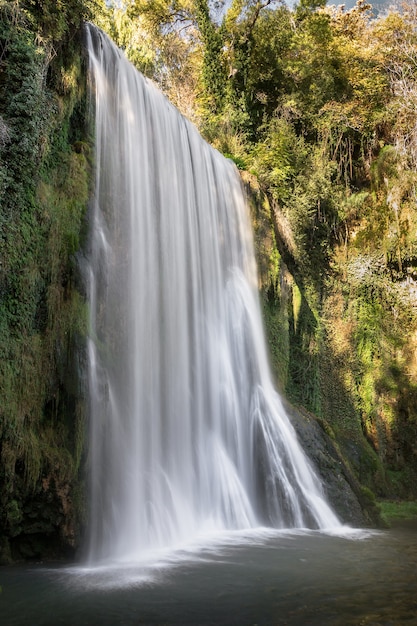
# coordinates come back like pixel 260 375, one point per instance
pixel 188 434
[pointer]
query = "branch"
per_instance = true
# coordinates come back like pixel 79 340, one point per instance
pixel 260 5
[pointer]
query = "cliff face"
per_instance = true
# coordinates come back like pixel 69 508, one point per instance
pixel 304 376
pixel 44 172
pixel 344 351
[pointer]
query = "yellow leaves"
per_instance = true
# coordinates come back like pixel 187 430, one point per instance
pixel 353 23
pixel 392 31
pixel 233 14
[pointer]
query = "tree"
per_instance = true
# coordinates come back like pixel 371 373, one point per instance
pixel 221 37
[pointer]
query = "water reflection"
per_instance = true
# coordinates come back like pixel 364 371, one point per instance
pixel 293 579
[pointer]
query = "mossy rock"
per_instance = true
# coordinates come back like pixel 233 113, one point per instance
pixel 341 487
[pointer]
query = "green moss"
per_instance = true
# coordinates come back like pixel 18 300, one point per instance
pixel 276 328
pixel 327 428
pixel 296 305
pixel 367 493
pixel 14 516
pixel 44 169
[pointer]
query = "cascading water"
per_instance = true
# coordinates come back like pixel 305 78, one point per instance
pixel 187 432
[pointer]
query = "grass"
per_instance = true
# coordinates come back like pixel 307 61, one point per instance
pixel 392 511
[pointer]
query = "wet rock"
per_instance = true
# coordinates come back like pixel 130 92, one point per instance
pixel 353 503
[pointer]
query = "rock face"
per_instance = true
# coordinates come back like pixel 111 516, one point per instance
pixel 350 501
pixel 40 525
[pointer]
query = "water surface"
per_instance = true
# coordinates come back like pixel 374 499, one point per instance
pixel 302 579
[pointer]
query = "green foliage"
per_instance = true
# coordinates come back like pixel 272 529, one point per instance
pixel 279 158
pixel 44 172
pixel 267 76
pixel 334 156
pixel 213 69
pixel 393 511
pixel 59 20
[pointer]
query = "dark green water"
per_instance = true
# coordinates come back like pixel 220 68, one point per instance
pixel 288 579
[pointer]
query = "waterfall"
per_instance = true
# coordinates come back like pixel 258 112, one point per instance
pixel 188 434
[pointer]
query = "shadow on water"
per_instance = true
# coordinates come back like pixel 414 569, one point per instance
pixel 287 578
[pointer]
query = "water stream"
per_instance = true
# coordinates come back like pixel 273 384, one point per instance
pixel 188 434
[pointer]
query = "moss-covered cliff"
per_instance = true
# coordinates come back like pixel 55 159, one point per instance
pixel 346 353
pixel 44 172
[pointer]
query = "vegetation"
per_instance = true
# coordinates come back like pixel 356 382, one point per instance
pixel 44 173
pixel 393 512
pixel 316 106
